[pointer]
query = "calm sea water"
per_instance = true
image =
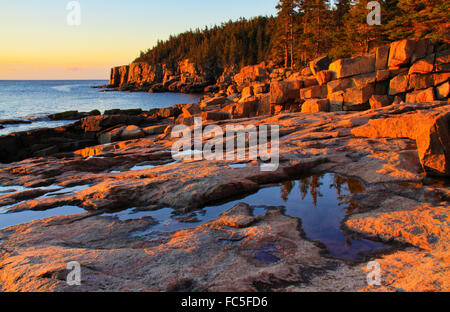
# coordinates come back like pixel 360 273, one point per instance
pixel 34 99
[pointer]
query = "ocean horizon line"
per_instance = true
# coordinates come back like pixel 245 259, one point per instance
pixel 54 79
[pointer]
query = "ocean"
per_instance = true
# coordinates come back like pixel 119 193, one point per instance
pixel 31 100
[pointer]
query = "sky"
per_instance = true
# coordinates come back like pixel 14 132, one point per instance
pixel 37 41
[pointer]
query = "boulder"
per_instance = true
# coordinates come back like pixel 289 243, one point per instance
pixel 191 109
pixel 263 105
pixel 154 130
pixel 316 106
pixel 132 133
pixel 401 53
pixel 430 129
pixel 220 100
pixel 315 92
pixel 110 136
pixel 187 121
pixel 422 96
pixel 259 88
pixel 424 66
pixel 442 91
pixel 133 111
pixel 420 82
pixel 422 49
pixel 442 63
pixel 382 87
pixel 398 71
pixel 215 116
pixel 249 74
pixel 276 109
pixel 73 115
pixel 399 84
pixel 339 85
pixel 99 123
pixel 284 91
pixel 383 74
pixel 247 108
pixel 357 96
pixel 336 101
pixel 379 101
pixel 229 109
pixel 319 64
pixel 167 112
pixel 382 56
pixel 246 92
pixel 306 72
pixel 365 79
pixel 353 66
pixel 309 82
pixel 323 77
pixel 397 100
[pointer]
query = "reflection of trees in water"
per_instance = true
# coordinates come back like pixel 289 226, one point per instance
pixel 286 188
pixel 353 186
pixel 312 186
pixel 344 187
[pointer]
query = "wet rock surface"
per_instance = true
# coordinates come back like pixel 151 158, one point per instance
pixel 239 250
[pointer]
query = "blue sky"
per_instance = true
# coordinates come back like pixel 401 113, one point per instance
pixel 37 43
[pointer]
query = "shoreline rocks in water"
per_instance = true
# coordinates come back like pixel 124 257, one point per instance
pixel 13 122
pixel 73 115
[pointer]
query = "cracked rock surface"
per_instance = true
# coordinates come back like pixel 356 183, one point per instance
pixel 402 204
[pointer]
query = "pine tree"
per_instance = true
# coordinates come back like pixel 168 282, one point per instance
pixel 342 8
pixel 337 32
pixel 421 19
pixel 315 19
pixel 286 16
pixel 362 35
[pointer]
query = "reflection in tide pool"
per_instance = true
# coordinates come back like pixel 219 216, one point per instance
pixel 320 201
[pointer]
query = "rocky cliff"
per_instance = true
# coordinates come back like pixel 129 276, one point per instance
pixel 187 77
pixel 408 70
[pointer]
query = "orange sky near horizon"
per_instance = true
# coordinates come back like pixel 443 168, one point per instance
pixel 37 42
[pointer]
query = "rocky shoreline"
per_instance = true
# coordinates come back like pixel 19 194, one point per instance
pixel 120 161
pixel 399 204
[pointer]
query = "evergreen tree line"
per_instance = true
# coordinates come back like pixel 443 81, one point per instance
pixel 303 30
pixel 243 42
pixel 309 28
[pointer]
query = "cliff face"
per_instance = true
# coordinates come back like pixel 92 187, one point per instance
pixel 186 77
pixel 119 76
pixel 409 70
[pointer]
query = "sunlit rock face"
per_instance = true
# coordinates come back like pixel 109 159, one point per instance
pixel 148 215
pixel 430 129
pixel 412 71
pixel 186 77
